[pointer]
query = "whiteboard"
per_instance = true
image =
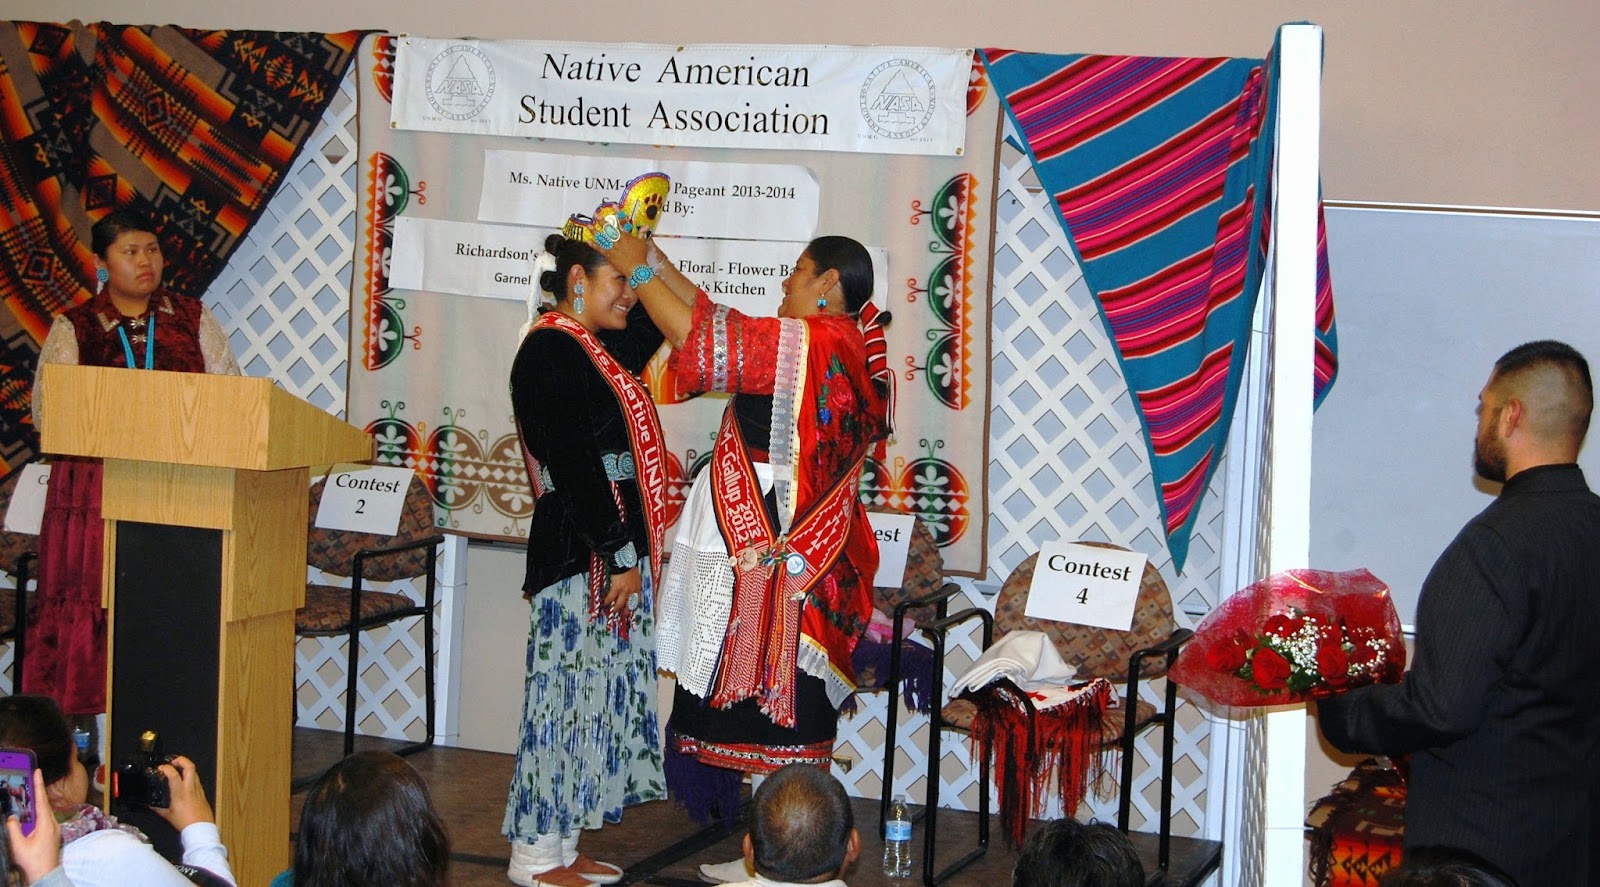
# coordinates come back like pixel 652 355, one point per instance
pixel 1425 302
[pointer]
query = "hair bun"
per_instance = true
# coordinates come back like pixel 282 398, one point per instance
pixel 552 245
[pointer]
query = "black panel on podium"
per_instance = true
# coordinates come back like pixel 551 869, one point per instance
pixel 164 662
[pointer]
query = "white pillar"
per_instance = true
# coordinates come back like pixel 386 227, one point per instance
pixel 1289 455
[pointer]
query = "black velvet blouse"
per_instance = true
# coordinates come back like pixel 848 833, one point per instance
pixel 570 421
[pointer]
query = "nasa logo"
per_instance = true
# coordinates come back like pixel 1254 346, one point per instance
pixel 460 82
pixel 897 99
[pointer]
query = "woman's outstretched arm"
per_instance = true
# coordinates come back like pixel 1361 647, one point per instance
pixel 667 294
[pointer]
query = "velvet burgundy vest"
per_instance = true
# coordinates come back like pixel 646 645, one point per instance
pixel 177 322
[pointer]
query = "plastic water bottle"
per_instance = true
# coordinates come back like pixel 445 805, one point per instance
pixel 897 840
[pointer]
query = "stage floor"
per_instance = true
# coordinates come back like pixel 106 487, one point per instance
pixel 655 842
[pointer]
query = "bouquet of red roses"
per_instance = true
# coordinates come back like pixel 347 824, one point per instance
pixel 1293 636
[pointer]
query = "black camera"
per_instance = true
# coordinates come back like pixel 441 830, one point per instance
pixel 140 781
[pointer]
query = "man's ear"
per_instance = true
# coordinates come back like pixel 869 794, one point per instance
pixel 852 849
pixel 1511 415
pixel 749 853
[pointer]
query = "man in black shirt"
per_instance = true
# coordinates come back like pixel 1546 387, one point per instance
pixel 1500 709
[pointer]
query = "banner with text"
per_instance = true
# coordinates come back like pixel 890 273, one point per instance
pixel 873 99
pixel 754 201
pixel 495 261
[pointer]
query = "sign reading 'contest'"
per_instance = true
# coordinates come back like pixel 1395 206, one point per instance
pixel 874 99
pixel 1085 585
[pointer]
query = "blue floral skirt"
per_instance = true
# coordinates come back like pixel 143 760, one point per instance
pixel 591 742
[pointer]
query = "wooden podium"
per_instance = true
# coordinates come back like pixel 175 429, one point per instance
pixel 205 498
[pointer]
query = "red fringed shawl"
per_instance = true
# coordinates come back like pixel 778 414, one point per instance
pixel 1030 745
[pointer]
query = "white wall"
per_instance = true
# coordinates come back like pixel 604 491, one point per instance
pixel 1489 103
pixel 493 646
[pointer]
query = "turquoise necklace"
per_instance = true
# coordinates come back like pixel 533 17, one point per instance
pixel 149 344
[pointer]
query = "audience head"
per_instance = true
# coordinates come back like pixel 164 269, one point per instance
pixel 1534 410
pixel 1067 853
pixel 851 260
pixel 369 820
pixel 1444 867
pixel 801 826
pixel 37 724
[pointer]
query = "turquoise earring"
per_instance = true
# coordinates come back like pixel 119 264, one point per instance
pixel 577 297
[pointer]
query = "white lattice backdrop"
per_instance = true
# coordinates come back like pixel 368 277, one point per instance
pixel 7 653
pixel 1067 460
pixel 285 301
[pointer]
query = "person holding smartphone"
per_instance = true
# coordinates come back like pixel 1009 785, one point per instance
pixel 36 852
pixel 96 848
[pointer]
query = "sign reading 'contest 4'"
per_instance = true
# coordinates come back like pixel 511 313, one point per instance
pixel 875 99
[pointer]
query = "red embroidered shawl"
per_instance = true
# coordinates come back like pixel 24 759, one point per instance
pixel 841 413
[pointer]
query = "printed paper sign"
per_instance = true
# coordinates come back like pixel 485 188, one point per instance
pixel 894 541
pixel 27 499
pixel 496 261
pixel 364 498
pixel 1085 585
pixel 757 201
pixel 871 99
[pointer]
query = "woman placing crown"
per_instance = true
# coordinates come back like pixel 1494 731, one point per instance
pixel 594 452
pixel 769 587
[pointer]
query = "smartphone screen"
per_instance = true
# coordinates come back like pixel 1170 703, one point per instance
pixel 16 786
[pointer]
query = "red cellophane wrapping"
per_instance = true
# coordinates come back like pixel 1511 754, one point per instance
pixel 1293 636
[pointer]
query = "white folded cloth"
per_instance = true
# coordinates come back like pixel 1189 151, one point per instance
pixel 1028 658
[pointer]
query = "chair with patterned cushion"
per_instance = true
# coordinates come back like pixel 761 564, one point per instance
pixel 1122 657
pixel 923 575
pixel 18 552
pixel 410 554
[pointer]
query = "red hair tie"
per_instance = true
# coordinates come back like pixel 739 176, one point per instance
pixel 873 321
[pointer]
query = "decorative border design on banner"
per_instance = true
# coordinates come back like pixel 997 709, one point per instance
pixel 435 351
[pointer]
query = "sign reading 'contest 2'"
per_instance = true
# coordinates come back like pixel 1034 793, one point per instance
pixel 876 99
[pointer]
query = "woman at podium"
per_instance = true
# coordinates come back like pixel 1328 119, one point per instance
pixel 131 321
pixel 595 455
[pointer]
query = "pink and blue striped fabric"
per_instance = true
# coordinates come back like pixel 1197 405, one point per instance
pixel 1160 172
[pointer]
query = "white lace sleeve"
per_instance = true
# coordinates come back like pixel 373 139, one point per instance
pixel 60 346
pixel 214 346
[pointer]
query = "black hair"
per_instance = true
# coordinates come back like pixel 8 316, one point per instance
pixel 800 824
pixel 1565 360
pixel 37 724
pixel 851 260
pixel 369 820
pixel 567 253
pixel 1068 853
pixel 115 224
pixel 1444 867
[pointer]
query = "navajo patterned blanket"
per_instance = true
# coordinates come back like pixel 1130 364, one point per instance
pixel 195 127
pixel 1160 168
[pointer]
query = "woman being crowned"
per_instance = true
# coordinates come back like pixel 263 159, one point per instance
pixel 589 742
pixel 769 586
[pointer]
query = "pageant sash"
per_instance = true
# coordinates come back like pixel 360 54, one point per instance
pixel 644 431
pixel 773 573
